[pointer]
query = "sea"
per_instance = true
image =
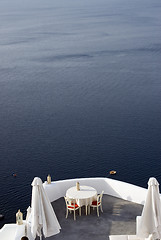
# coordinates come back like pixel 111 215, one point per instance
pixel 80 93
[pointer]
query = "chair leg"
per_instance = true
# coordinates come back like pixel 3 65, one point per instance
pixel 101 208
pixel 98 211
pixel 86 210
pixel 67 213
pixel 80 211
pixel 74 215
pixel 89 209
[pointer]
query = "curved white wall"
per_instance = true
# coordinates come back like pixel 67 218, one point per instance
pixel 112 187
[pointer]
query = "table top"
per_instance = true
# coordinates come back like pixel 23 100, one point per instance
pixel 84 192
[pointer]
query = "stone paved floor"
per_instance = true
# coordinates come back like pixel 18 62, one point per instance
pixel 118 217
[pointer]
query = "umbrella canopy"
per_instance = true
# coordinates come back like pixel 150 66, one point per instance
pixel 42 217
pixel 150 222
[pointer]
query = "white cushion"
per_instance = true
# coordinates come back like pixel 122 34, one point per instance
pixel 118 237
pixel 134 237
pixel 126 237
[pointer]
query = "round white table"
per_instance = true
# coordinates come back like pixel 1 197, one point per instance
pixel 84 196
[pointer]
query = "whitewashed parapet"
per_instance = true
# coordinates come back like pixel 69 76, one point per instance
pixel 112 187
pixel 12 232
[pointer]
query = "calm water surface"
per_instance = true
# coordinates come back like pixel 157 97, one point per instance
pixel 80 93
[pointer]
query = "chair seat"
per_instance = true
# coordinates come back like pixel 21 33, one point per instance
pixel 95 203
pixel 72 207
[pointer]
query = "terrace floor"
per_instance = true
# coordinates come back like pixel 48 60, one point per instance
pixel 118 217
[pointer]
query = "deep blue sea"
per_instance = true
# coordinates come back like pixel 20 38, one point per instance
pixel 80 93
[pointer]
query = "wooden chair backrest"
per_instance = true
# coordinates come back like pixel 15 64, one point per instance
pixel 99 197
pixel 70 202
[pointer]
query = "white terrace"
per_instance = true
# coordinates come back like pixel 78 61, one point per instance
pixel 122 202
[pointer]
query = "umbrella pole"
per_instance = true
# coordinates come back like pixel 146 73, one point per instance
pixel 40 234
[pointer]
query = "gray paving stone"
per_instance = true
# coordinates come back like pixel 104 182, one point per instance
pixel 118 217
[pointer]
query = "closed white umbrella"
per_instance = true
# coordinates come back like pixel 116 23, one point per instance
pixel 150 222
pixel 42 217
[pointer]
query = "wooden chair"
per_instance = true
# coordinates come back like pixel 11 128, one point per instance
pixel 98 203
pixel 71 205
